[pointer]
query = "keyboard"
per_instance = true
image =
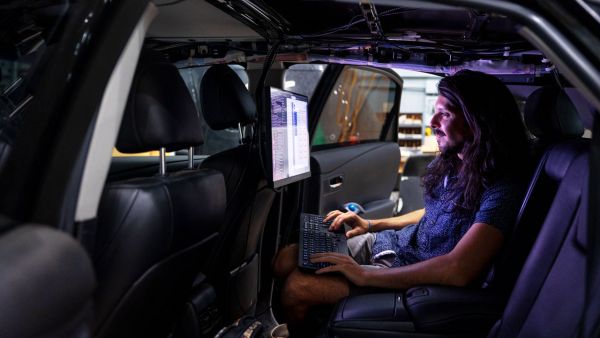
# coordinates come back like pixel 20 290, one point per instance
pixel 315 237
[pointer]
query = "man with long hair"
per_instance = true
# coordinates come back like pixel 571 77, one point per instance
pixel 473 191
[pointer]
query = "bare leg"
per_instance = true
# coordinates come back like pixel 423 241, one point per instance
pixel 301 291
pixel 286 261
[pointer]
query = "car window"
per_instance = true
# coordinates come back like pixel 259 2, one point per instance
pixel 303 78
pixel 356 109
pixel 419 94
pixel 24 38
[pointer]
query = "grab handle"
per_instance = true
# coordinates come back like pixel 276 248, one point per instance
pixel 336 182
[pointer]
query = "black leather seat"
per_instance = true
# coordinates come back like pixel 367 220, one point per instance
pixel 47 281
pixel 445 311
pixel 551 117
pixel 554 121
pixel 411 191
pixel 547 299
pixel 226 103
pixel 154 234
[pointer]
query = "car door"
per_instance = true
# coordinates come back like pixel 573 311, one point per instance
pixel 354 150
pixel 56 59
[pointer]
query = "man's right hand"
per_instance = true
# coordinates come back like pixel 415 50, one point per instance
pixel 338 218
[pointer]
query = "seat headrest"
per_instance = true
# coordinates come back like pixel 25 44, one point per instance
pixel 417 165
pixel 160 111
pixel 562 155
pixel 551 115
pixel 224 99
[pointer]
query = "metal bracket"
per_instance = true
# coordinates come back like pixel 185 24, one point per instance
pixel 372 19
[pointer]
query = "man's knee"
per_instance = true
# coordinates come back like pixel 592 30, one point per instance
pixel 285 261
pixel 301 288
pixel 294 289
pixel 302 291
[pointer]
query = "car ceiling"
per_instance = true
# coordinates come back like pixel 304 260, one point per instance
pixel 193 19
pixel 433 39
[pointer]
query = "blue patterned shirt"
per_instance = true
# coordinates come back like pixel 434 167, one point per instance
pixel 443 224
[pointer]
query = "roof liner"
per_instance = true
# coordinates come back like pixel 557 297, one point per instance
pixel 432 38
pixel 448 30
pixel 197 20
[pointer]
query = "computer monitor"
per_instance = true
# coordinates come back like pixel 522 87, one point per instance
pixel 287 137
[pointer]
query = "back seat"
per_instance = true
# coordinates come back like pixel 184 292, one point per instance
pixel 549 295
pixel 448 311
pixel 548 298
pixel 554 121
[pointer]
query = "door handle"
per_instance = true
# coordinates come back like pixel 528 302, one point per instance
pixel 336 182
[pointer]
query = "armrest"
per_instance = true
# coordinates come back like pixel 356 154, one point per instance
pixel 452 309
pixel 370 312
pixel 427 309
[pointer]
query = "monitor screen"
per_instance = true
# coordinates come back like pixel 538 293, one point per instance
pixel 290 143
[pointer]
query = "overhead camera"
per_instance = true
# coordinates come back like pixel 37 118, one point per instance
pixel 389 54
pixel 441 59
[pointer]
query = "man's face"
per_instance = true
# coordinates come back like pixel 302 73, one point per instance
pixel 449 126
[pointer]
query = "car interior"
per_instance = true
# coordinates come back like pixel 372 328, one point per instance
pixel 151 238
pixel 138 161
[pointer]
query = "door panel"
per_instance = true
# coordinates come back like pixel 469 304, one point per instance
pixel 355 155
pixel 364 174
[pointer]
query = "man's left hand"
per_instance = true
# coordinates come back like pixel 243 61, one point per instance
pixel 343 264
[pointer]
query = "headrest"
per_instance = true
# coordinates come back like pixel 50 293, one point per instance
pixel 224 99
pixel 160 111
pixel 550 114
pixel 417 165
pixel 561 157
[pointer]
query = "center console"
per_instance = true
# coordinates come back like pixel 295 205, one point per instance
pixel 424 311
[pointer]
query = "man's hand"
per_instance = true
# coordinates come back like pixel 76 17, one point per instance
pixel 358 224
pixel 343 264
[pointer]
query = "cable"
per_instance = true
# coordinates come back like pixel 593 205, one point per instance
pixel 334 30
pixel 259 94
pixel 389 12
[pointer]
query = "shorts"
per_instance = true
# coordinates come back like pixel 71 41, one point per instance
pixel 361 249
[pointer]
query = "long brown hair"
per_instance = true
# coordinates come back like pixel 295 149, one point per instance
pixel 499 145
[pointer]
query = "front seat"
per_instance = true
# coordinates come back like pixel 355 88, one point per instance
pixel 411 191
pixel 226 103
pixel 154 233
